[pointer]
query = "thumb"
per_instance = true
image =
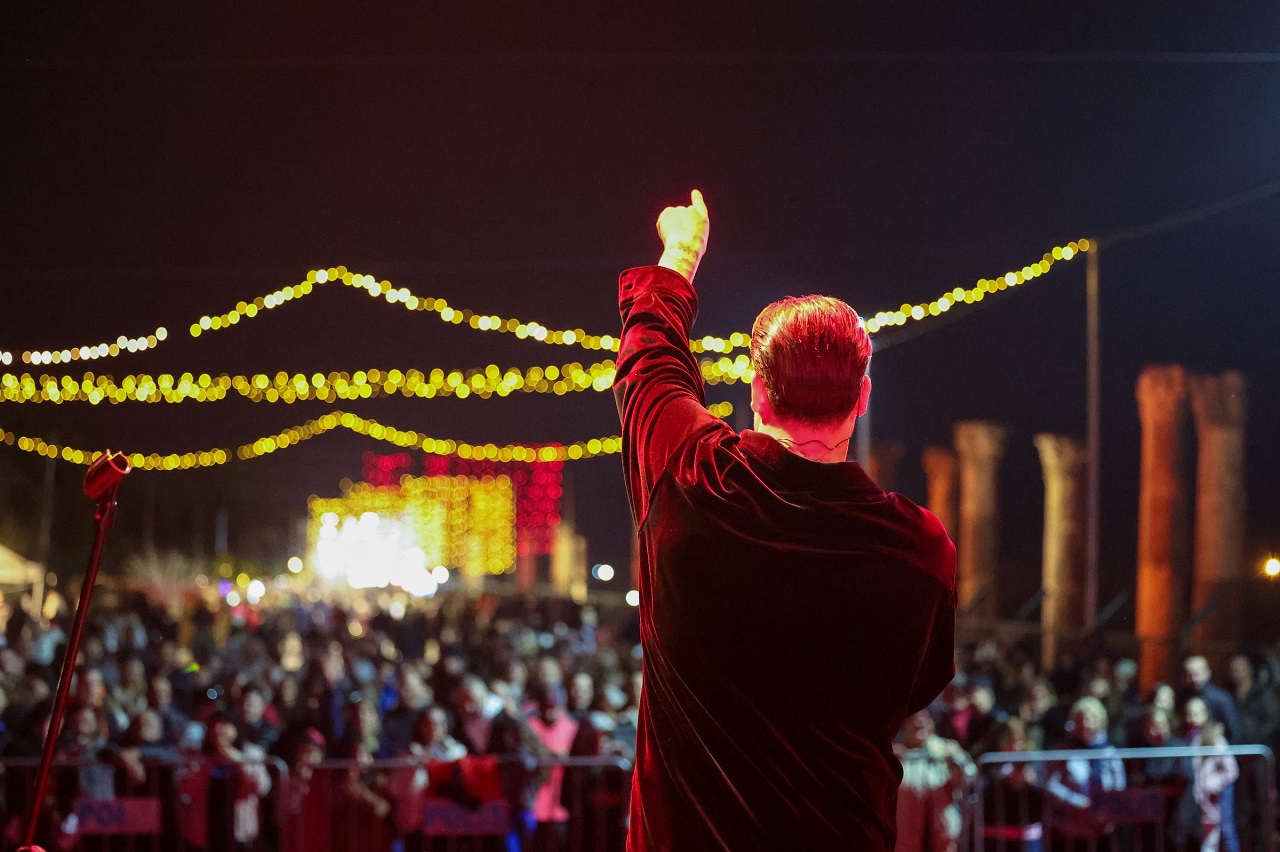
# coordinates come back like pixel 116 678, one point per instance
pixel 698 203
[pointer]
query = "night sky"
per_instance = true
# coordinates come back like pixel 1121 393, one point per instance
pixel 159 165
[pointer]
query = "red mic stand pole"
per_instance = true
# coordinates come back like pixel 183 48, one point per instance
pixel 101 484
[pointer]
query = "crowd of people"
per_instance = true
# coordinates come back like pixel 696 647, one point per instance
pixel 1001 702
pixel 371 705
pixel 310 681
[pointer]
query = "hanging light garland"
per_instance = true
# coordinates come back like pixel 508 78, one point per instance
pixel 525 330
pixel 283 440
pixel 485 382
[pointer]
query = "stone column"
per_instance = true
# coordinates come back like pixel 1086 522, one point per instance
pixel 980 446
pixel 1218 403
pixel 883 464
pixel 1062 577
pixel 1162 394
pixel 941 469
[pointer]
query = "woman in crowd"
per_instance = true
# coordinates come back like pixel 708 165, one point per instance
pixel 1075 786
pixel 934 771
pixel 232 781
pixel 1215 776
pixel 556 729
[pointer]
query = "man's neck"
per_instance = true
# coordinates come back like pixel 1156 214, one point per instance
pixel 815 444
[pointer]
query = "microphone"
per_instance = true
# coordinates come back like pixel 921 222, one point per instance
pixel 104 475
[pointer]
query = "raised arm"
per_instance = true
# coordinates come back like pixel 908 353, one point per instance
pixel 658 387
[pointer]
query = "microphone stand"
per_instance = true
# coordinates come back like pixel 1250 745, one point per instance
pixel 101 483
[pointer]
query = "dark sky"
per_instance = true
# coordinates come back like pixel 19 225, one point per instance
pixel 163 164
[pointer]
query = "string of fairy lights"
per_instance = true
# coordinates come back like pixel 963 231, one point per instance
pixel 524 330
pixel 368 427
pixel 489 381
pixel 288 388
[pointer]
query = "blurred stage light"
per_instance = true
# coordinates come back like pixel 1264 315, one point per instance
pixel 633 598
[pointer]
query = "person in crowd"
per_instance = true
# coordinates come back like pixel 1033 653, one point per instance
pixel 413 697
pixel 232 781
pixel 1173 776
pixel 6 721
pixel 1034 708
pixel 360 806
pixel 1215 776
pixel 325 690
pixel 986 716
pixel 629 713
pixel 547 671
pixel 516 676
pixel 1125 706
pixel 1259 708
pixel 1077 786
pixel 953 711
pixel 1164 697
pixel 251 722
pixel 595 796
pixel 410 784
pixel 147 765
pixel 1198 683
pixel 173 722
pixel 1013 800
pixel 1068 675
pixel 582 692
pixel 431 736
pixel 90 690
pixel 129 697
pixel 364 725
pixel 146 735
pixel 388 692
pixel 479 722
pixel 57 828
pixel 84 742
pixel 934 771
pixel 556 729
pixel 287 694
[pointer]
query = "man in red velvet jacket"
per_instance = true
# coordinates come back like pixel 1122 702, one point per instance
pixel 792 614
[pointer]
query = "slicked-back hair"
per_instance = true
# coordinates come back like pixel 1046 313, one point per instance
pixel 811 352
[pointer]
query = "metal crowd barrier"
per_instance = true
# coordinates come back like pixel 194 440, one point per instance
pixel 194 805
pixel 477 803
pixel 186 805
pixel 1127 800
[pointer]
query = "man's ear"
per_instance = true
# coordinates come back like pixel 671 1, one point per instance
pixel 864 395
pixel 759 396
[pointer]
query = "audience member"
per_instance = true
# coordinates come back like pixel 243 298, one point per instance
pixel 1198 683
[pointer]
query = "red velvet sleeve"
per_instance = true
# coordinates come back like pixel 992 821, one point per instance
pixel 658 388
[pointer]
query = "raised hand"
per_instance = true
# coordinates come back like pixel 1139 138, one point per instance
pixel 684 232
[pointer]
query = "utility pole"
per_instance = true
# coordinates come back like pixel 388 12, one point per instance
pixel 1093 436
pixel 45 542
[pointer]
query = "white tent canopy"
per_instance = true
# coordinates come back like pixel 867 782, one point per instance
pixel 16 571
